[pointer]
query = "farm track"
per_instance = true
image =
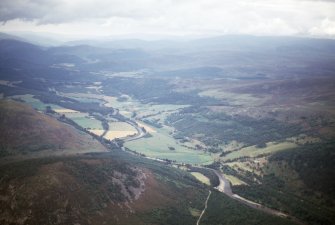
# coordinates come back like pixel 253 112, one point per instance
pixel 204 210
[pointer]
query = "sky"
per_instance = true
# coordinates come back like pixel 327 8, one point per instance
pixel 145 18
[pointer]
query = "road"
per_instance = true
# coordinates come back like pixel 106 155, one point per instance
pixel 224 185
pixel 203 211
pixel 140 132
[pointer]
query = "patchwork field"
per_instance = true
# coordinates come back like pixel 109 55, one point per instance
pixel 119 130
pixel 162 145
pixel 82 119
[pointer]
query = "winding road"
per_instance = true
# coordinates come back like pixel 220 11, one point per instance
pixel 224 185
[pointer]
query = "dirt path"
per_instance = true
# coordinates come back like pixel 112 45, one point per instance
pixel 203 211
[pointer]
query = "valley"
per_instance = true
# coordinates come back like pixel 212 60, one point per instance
pixel 185 131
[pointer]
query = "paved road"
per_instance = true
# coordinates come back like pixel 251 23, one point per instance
pixel 225 187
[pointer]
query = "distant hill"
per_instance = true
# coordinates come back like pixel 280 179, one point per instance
pixel 20 54
pixel 8 36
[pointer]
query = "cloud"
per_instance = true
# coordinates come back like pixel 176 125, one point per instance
pixel 59 11
pixel 174 17
pixel 326 27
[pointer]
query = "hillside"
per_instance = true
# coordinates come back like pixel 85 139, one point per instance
pixel 110 188
pixel 26 131
pixel 80 189
pixel 91 188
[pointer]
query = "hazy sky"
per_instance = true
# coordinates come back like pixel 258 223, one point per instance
pixel 170 17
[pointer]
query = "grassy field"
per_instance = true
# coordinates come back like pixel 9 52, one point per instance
pixel 96 132
pixel 195 212
pixel 253 151
pixel 82 119
pixel 142 110
pixel 121 126
pixel 145 111
pixel 234 180
pixel 148 128
pixel 111 135
pixel 245 166
pixel 119 130
pixel 202 178
pixel 61 111
pixel 75 115
pixel 35 103
pixel 128 107
pixel 162 145
pixel 88 122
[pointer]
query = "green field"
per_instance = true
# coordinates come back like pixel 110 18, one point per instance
pixel 121 126
pixel 246 166
pixel 253 151
pixel 76 115
pixel 158 146
pixel 35 103
pixel 88 122
pixel 202 178
pixel 234 180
